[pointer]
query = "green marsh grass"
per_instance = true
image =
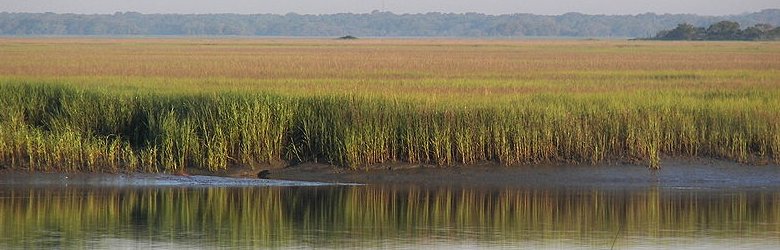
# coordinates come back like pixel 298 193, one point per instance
pixel 50 127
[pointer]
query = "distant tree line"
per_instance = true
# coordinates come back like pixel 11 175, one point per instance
pixel 375 24
pixel 720 31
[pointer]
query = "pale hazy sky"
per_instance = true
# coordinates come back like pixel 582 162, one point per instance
pixel 546 7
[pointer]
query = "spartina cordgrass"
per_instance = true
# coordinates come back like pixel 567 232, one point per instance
pixel 173 132
pixel 512 102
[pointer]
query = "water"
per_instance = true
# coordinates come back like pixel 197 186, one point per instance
pixel 45 216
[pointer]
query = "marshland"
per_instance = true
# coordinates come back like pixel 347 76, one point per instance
pixel 169 105
pixel 460 143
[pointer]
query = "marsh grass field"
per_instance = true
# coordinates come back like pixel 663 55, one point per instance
pixel 152 105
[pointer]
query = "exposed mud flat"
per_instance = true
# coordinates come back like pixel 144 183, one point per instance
pixel 674 174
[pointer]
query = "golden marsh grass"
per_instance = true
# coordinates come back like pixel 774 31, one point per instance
pixel 167 104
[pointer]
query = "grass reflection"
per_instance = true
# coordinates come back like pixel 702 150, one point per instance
pixel 373 216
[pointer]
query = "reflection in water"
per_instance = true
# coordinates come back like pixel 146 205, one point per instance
pixel 375 216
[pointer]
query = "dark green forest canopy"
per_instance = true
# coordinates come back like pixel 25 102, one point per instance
pixel 721 31
pixel 375 24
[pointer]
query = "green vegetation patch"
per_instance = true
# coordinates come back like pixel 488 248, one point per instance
pixel 46 126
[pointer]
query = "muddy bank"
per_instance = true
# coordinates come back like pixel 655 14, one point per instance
pixel 675 174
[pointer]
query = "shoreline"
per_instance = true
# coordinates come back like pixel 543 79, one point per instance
pixel 699 173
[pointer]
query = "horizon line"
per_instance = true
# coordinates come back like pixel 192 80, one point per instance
pixel 385 12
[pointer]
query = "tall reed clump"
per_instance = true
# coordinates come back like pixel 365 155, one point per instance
pixel 49 127
pixel 52 127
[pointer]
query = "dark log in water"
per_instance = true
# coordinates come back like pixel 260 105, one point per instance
pixel 263 174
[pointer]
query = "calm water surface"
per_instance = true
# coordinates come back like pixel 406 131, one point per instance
pixel 52 216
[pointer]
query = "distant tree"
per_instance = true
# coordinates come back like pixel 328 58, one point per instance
pixel 764 27
pixel 684 31
pixel 379 23
pixel 774 34
pixel 757 32
pixel 724 30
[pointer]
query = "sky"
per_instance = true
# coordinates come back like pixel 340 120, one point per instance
pixel 543 7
